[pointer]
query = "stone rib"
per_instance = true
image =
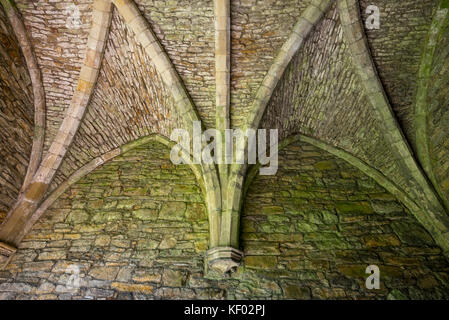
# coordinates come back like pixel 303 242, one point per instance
pixel 440 19
pixel 223 73
pixel 222 62
pixel 146 37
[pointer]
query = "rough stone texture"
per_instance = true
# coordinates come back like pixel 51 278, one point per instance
pixel 59 44
pixel 258 30
pixel 309 98
pixel 409 174
pixel 323 223
pixel 320 95
pixel 185 28
pixel 136 228
pixel 397 49
pixel 130 101
pixel 438 120
pixel 16 116
pixel 137 213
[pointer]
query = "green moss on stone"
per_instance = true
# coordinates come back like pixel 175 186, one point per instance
pixel 173 211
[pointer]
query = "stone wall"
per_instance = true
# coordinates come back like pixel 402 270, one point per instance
pixel 320 222
pixel 137 228
pixel 319 94
pixel 185 28
pixel 16 116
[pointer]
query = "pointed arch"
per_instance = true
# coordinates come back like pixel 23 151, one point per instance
pixel 97 162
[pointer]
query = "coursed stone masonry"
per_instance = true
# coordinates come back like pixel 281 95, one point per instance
pixel 16 116
pixel 136 228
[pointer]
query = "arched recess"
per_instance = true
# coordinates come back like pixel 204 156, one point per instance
pixel 97 162
pixel 186 109
pixel 122 227
pixel 112 236
pixel 316 225
pixel 432 214
pixel 418 212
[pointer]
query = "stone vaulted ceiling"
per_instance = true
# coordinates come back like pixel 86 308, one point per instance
pixel 83 82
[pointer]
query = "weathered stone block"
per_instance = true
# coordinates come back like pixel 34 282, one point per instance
pixel 104 273
pixel 173 278
pixel 172 211
pixel 126 287
pixel 354 207
pixel 261 262
pixel 146 214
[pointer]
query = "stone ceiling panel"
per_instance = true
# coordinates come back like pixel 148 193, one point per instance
pixel 397 49
pixel 186 30
pixel 258 30
pixel 58 32
pixel 16 116
pixel 320 95
pixel 130 101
